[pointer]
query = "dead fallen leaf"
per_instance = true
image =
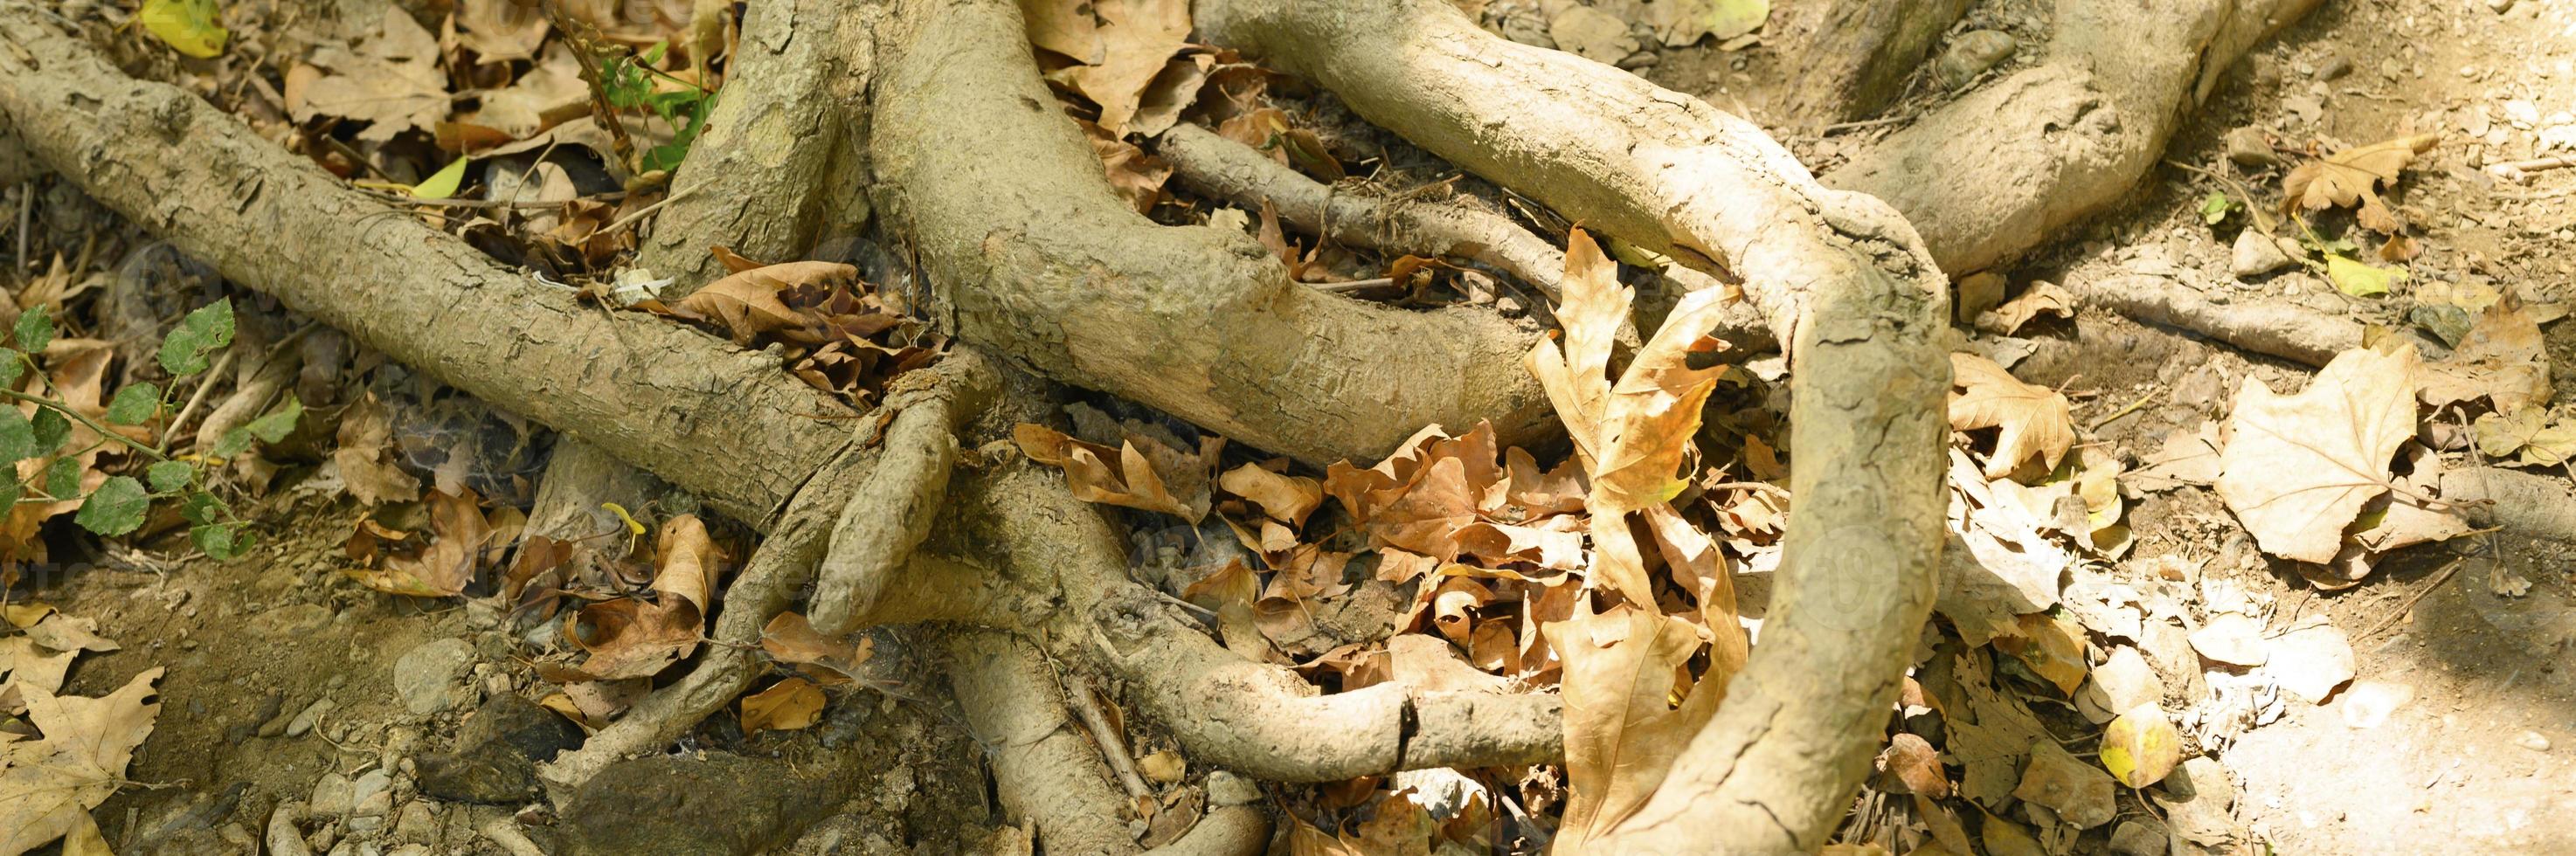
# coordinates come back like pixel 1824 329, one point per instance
pixel 458 537
pixel 2310 659
pixel 1148 475
pixel 390 81
pixel 1912 763
pixel 365 455
pixel 1134 39
pixel 2035 419
pixel 48 785
pixel 788 705
pixel 791 638
pixel 546 95
pixel 500 30
pixel 2041 298
pixel 1285 498
pixel 2500 359
pixel 2298 469
pixel 1137 177
pixel 1621 734
pixel 746 304
pixel 2349 176
pixel 633 638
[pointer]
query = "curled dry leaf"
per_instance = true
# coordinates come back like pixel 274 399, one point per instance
pixel 365 455
pixel 459 535
pixel 2298 468
pixel 2501 358
pixel 1912 763
pixel 1621 736
pixel 2349 177
pixel 788 705
pixel 1120 46
pixel 2041 298
pixel 791 638
pixel 1285 498
pixel 633 638
pixel 746 304
pixel 2035 419
pixel 500 30
pixel 1148 475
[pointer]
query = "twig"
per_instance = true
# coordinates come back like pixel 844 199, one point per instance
pixel 399 199
pixel 84 420
pixel 2439 578
pixel 2132 408
pixel 1839 127
pixel 504 832
pixel 1113 746
pixel 199 397
pixel 2515 170
pixel 1353 285
pixel 623 222
pixel 585 42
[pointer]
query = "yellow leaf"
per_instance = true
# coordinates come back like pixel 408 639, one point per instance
pixel 191 27
pixel 441 184
pixel 2141 747
pixel 2361 280
pixel 788 705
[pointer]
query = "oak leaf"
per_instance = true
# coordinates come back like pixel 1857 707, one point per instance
pixel 48 785
pixel 2035 419
pixel 2350 176
pixel 2298 468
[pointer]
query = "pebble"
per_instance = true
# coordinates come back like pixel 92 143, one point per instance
pixel 2500 6
pixel 2368 704
pixel 2533 741
pixel 425 677
pixel 312 714
pixel 331 796
pixel 2334 67
pixel 2256 254
pixel 276 725
pixel 2138 838
pixel 1970 55
pixel 417 822
pixel 2248 147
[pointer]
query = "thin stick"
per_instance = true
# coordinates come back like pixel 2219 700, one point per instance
pixel 2439 578
pixel 2132 408
pixel 1840 127
pixel 1113 746
pixel 2516 170
pixel 1353 285
pixel 399 199
pixel 82 418
pixel 205 385
pixel 628 220
pixel 26 220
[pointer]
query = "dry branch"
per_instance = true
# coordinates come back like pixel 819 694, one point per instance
pixel 1038 259
pixel 1839 277
pixel 2281 330
pixel 724 423
pixel 1998 171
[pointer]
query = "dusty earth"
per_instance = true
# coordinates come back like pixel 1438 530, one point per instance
pixel 2454 737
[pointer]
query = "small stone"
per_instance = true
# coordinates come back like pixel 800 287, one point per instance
pixel 2080 793
pixel 425 677
pixel 418 822
pixel 276 725
pixel 1225 788
pixel 2138 838
pixel 2248 147
pixel 1970 55
pixel 331 796
pixel 311 715
pixel 2499 6
pixel 2533 741
pixel 2256 254
pixel 1640 60
pixel 2334 67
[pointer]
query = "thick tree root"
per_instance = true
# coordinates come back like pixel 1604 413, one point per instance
pixel 956 389
pixel 2526 504
pixel 724 423
pixel 1839 277
pixel 2278 329
pixel 1037 258
pixel 886 517
pixel 2000 170
pixel 1836 60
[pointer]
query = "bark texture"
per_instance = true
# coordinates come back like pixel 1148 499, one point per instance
pixel 1837 60
pixel 1038 259
pixel 726 424
pixel 1841 279
pixel 1998 171
pixel 2279 329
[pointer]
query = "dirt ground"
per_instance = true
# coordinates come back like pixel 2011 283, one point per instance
pixel 2455 736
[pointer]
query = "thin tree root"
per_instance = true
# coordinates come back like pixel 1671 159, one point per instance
pixel 2278 329
pixel 1104 736
pixel 1044 769
pixel 886 516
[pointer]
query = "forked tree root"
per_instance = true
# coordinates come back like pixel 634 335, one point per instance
pixel 1049 775
pixel 2003 168
pixel 1038 260
pixel 1841 279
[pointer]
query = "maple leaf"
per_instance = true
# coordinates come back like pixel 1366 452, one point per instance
pixel 2349 176
pixel 2500 358
pixel 48 785
pixel 1120 54
pixel 2298 468
pixel 2034 419
pixel 1621 736
pixel 391 81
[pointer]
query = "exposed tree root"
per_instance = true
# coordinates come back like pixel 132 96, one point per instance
pixel 724 423
pixel 2000 170
pixel 2281 330
pixel 2526 504
pixel 1039 260
pixel 886 516
pixel 1235 172
pixel 1839 277
pixel 579 478
pixel 1839 60
pixel 958 388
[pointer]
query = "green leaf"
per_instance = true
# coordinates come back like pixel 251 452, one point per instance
pixel 35 330
pixel 200 507
pixel 10 494
pixel 17 437
pixel 218 541
pixel 10 367
pixel 192 27
pixel 443 183
pixel 62 478
pixel 115 508
pixel 234 442
pixel 134 404
pixel 275 426
pixel 51 430
pixel 209 328
pixel 2361 280
pixel 168 476
pixel 2214 207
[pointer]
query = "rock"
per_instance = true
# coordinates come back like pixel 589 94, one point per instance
pixel 2368 703
pixel 1970 55
pixel 312 714
pixel 2248 147
pixel 291 621
pixel 283 840
pixel 330 796
pixel 497 752
pixel 426 677
pixel 1640 60
pixel 2138 838
pixel 2533 741
pixel 1592 34
pixel 2334 67
pixel 417 822
pixel 2080 793
pixel 276 725
pixel 2196 799
pixel 409 850
pixel 2256 254
pixel 372 791
pixel 1226 788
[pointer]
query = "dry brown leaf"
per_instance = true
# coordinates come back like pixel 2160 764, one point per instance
pixel 459 535
pixel 1148 475
pixel 2053 648
pixel 788 705
pixel 1137 177
pixel 390 80
pixel 746 304
pixel 1621 736
pixel 1914 764
pixel 2298 468
pixel 25 667
pixel 364 455
pixel 2349 176
pixel 2035 419
pixel 632 638
pixel 549 93
pixel 48 785
pixel 500 30
pixel 791 638
pixel 2040 298
pixel 2501 359
pixel 1285 498
pixel 1135 38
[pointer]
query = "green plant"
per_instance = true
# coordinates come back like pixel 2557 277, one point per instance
pixel 118 505
pixel 627 80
